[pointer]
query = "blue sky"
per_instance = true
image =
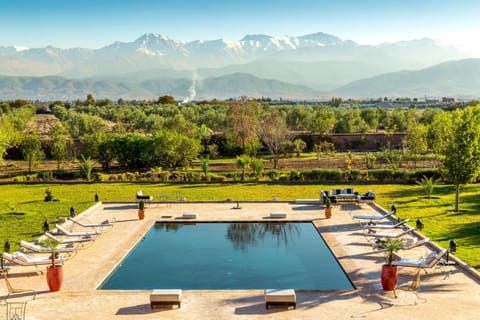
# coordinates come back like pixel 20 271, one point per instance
pixel 97 23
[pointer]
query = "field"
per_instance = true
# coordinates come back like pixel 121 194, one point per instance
pixel 23 209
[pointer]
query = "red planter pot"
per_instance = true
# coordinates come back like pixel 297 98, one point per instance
pixel 328 213
pixel 55 278
pixel 389 277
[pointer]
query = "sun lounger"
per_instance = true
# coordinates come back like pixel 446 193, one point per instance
pixel 410 244
pixel 75 234
pixel 278 215
pixel 165 297
pixel 372 226
pixel 189 215
pixel 374 218
pixel 389 235
pixel 12 290
pixel 105 223
pixel 39 249
pixel 280 297
pixel 144 197
pixel 22 259
pixel 429 262
pixel 85 238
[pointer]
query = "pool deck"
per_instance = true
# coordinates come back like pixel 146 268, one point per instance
pixel 446 292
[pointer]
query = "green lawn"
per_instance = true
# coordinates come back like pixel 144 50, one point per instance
pixel 23 211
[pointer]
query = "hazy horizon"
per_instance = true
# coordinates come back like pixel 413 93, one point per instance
pixel 95 24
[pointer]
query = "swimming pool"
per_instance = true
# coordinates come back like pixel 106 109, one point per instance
pixel 228 256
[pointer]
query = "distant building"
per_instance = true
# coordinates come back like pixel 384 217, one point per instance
pixel 448 100
pixel 432 100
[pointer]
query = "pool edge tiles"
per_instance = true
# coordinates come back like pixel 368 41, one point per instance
pixel 230 256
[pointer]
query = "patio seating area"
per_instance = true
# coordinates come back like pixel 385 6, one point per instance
pixel 448 284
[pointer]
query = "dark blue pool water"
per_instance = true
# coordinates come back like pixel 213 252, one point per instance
pixel 230 256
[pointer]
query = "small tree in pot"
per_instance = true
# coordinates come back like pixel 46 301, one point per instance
pixel 328 208
pixel 389 271
pixel 54 272
pixel 141 210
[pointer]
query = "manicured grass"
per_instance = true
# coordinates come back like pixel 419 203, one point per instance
pixel 441 223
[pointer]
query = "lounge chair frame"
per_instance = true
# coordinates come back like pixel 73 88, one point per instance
pixel 422 264
pixel 76 234
pixel 67 252
pixel 14 291
pixel 390 235
pixel 371 226
pixel 80 242
pixel 31 262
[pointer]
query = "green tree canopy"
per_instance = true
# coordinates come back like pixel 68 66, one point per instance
pixel 462 153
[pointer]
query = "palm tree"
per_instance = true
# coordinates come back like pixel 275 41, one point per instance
pixel 428 184
pixel 86 166
pixel 243 162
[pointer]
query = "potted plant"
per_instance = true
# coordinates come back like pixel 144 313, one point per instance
pixel 54 272
pixel 141 210
pixel 389 271
pixel 328 208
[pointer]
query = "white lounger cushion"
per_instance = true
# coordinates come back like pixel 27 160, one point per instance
pixel 166 295
pixel 276 295
pixel 189 215
pixel 278 215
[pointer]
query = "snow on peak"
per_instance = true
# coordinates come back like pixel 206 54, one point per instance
pixel 21 48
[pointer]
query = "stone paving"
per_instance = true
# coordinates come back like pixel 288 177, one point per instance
pixel 446 292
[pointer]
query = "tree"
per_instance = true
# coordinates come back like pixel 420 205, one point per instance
pixel 243 162
pixel 61 142
pixel 86 166
pixel 274 133
pixel 7 135
pixel 416 140
pixel 299 146
pixel 243 123
pixel 371 116
pixel 90 100
pixel 335 102
pixel 428 184
pixel 257 167
pixel 204 163
pixel 438 129
pixel 462 153
pixel 172 149
pixel 31 147
pixel 204 132
pixel 166 99
pixel 323 122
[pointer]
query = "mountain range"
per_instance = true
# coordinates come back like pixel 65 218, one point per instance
pixel 311 66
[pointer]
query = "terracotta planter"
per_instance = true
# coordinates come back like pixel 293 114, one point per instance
pixel 328 213
pixel 55 278
pixel 141 214
pixel 389 277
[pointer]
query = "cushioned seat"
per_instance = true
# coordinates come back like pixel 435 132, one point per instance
pixel 189 215
pixel 280 297
pixel 165 297
pixel 278 215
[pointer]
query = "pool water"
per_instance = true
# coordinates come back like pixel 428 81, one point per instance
pixel 225 256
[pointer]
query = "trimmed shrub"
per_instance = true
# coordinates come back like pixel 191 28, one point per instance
pixel 273 174
pixel 103 177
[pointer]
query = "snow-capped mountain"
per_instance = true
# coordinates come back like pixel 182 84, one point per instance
pixel 153 50
pixel 318 61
